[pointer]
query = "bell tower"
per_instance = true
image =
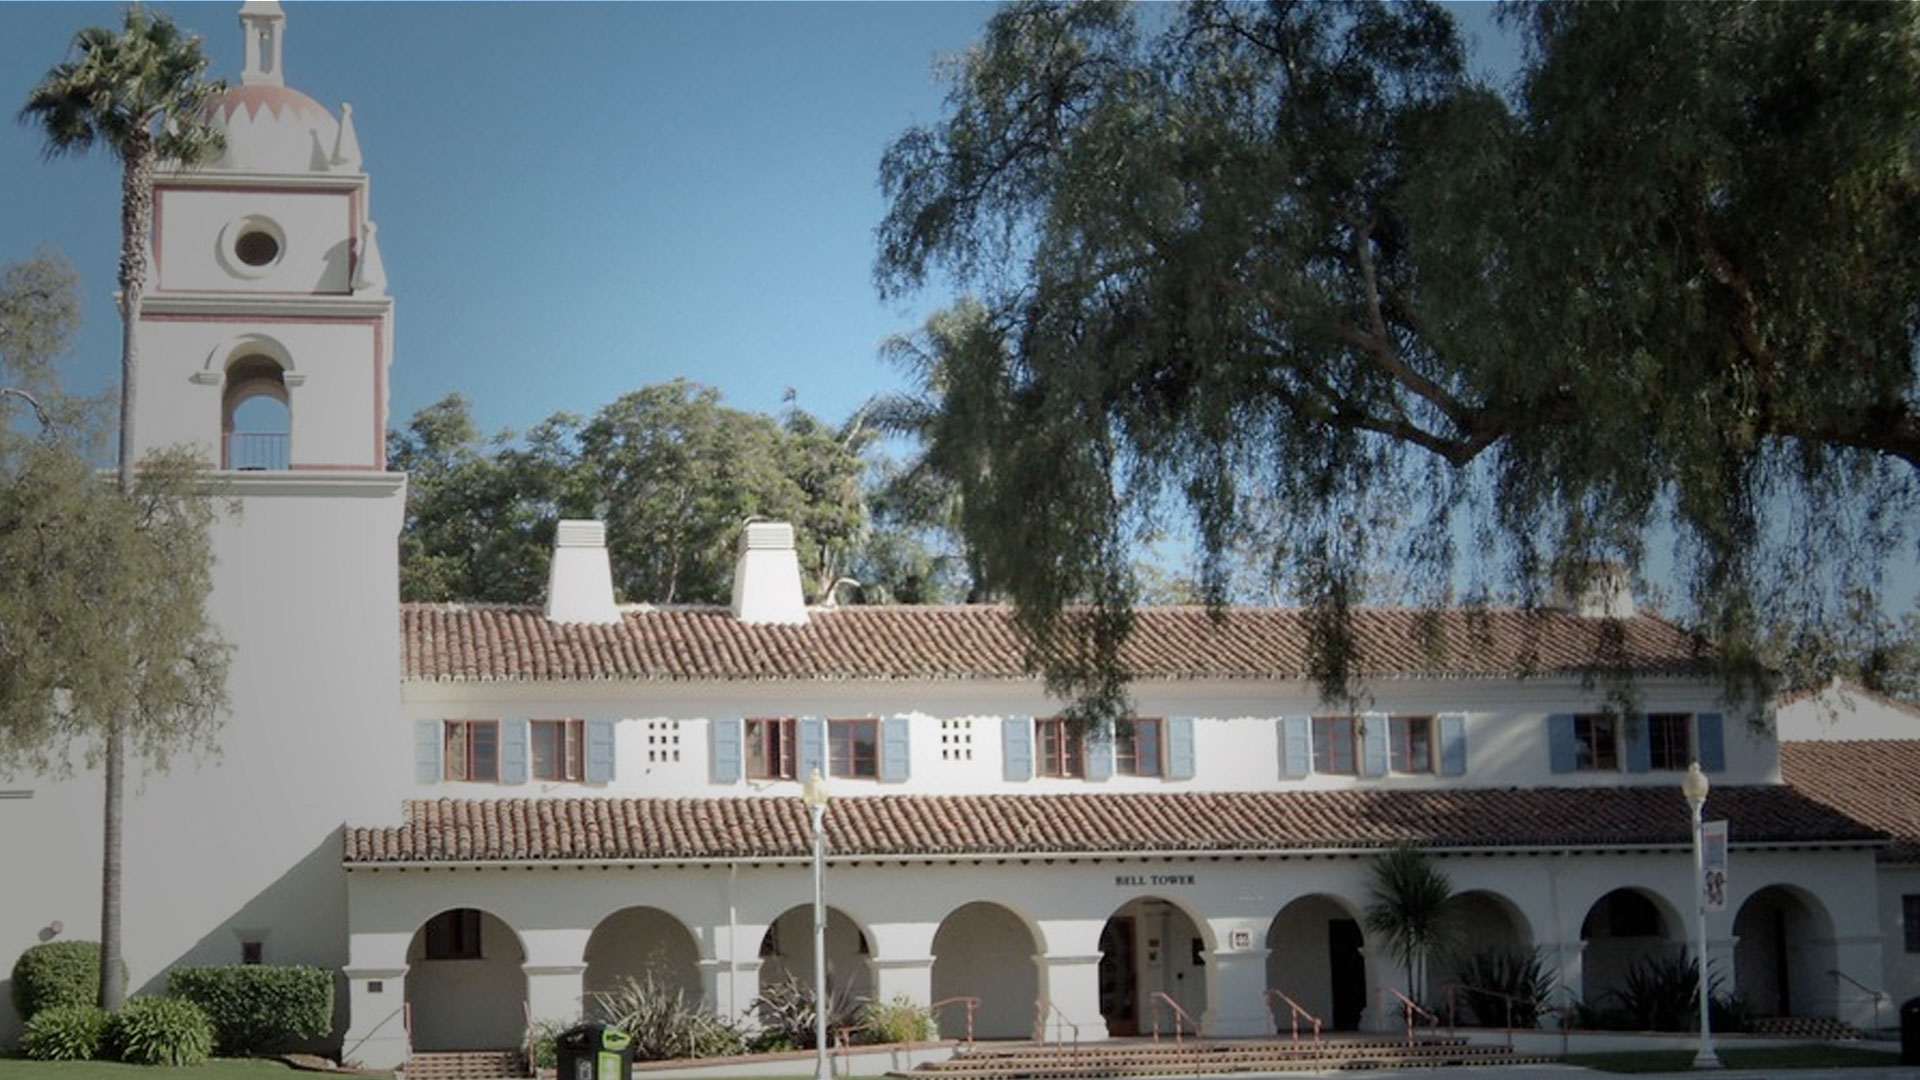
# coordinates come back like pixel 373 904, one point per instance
pixel 267 333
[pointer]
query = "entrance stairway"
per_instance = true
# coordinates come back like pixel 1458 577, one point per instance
pixel 1054 1061
pixel 467 1065
pixel 1803 1027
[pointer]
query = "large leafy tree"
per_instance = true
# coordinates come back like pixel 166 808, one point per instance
pixel 670 469
pixel 141 93
pixel 1289 269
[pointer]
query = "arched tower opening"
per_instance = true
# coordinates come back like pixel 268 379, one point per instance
pixel 255 415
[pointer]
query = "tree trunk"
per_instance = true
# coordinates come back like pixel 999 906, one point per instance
pixel 136 218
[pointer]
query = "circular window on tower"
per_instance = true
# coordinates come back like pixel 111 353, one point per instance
pixel 252 245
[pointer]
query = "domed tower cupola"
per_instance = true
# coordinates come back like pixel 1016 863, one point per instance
pixel 269 126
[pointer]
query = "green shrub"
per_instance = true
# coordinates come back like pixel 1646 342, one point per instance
pixel 666 1026
pixel 896 1021
pixel 1662 991
pixel 64 1033
pixel 1518 974
pixel 160 1031
pixel 58 973
pixel 785 1013
pixel 546 1054
pixel 259 1008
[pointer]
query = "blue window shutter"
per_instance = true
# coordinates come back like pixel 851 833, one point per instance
pixel 1561 751
pixel 1710 740
pixel 1373 744
pixel 813 747
pixel 1016 747
pixel 1453 744
pixel 896 762
pixel 724 749
pixel 429 742
pixel 599 751
pixel 1637 736
pixel 1180 748
pixel 513 750
pixel 1097 748
pixel 1296 747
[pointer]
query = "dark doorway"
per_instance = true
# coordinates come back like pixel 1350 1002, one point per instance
pixel 1349 968
pixel 1118 977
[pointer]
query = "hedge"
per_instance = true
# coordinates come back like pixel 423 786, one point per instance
pixel 58 973
pixel 259 1008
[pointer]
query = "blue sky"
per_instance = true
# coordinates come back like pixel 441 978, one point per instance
pixel 574 199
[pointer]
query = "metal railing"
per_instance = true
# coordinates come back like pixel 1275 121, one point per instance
pixel 1297 1013
pixel 255 451
pixel 972 1003
pixel 1181 1022
pixel 1873 995
pixel 1509 1001
pixel 1042 1011
pixel 1411 1008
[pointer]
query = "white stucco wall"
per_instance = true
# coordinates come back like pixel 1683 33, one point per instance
pixel 664 744
pixel 245 846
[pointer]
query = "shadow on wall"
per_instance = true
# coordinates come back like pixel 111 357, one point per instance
pixel 301 918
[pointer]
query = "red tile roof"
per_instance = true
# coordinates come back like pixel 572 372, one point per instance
pixel 1876 781
pixel 669 830
pixel 453 642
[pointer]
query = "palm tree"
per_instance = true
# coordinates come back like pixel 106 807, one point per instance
pixel 1410 909
pixel 143 95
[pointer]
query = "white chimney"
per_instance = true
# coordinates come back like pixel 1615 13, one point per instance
pixel 766 580
pixel 1605 593
pixel 580 581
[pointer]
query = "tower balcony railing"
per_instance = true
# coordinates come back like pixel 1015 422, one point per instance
pixel 254 451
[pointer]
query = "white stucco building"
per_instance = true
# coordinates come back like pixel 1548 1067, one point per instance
pixel 479 814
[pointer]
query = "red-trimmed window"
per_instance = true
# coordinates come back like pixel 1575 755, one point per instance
pixel 473 750
pixel 1136 747
pixel 1596 743
pixel 853 748
pixel 559 749
pixel 1670 741
pixel 1059 751
pixel 1410 744
pixel 1334 747
pixel 773 748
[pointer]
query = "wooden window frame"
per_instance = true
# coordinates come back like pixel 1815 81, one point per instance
pixel 466 742
pixel 846 758
pixel 1669 741
pixel 1059 750
pixel 1330 735
pixel 453 934
pixel 1404 752
pixel 772 748
pixel 569 739
pixel 1597 743
pixel 1130 737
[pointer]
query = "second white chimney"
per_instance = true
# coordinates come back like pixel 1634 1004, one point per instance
pixel 766 579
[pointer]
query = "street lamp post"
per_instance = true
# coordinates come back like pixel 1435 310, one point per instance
pixel 1694 786
pixel 815 796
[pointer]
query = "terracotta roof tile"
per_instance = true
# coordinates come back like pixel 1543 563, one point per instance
pixel 514 830
pixel 1876 781
pixel 450 642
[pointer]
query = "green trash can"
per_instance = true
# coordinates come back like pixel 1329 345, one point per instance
pixel 594 1052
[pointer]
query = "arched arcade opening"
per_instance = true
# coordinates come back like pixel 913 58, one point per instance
pixel 986 953
pixel 466 983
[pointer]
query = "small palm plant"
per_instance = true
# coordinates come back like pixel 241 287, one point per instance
pixel 1410 909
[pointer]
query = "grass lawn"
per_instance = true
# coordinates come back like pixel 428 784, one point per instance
pixel 221 1069
pixel 1811 1056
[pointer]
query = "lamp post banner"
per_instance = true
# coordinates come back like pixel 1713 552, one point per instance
pixel 1713 865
